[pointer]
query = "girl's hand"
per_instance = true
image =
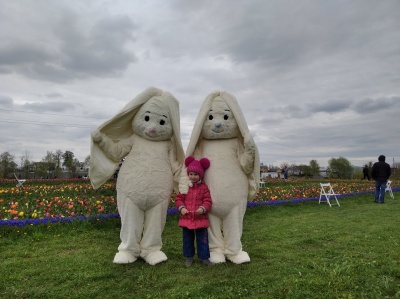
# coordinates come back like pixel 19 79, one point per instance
pixel 184 211
pixel 199 211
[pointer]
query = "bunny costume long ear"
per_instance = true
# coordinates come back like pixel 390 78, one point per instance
pixel 120 127
pixel 196 139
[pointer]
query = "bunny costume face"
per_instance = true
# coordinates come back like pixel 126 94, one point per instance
pixel 153 121
pixel 220 122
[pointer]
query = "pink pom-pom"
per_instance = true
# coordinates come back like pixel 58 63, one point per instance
pixel 205 163
pixel 189 160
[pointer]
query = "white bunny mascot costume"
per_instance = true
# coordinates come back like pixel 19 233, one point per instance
pixel 146 134
pixel 220 134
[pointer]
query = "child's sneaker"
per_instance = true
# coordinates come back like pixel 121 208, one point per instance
pixel 207 262
pixel 189 261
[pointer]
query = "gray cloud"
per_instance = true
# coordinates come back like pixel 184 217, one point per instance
pixel 315 79
pixel 101 50
pixel 372 106
pixel 71 48
pixel 329 106
pixel 20 53
pixel 54 95
pixel 48 107
pixel 6 101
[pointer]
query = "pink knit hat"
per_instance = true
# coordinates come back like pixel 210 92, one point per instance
pixel 197 166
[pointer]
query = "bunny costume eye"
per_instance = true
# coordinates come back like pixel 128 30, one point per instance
pixel 147 119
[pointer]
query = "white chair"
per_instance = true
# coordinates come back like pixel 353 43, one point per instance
pixel 327 192
pixel 262 184
pixel 389 189
pixel 20 182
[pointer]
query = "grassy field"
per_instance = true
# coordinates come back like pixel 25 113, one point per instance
pixel 297 251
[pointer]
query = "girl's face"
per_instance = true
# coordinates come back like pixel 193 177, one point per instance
pixel 194 177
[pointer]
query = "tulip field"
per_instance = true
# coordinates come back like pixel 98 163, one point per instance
pixel 46 201
pixel 58 239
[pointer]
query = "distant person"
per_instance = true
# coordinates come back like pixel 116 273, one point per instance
pixel 285 172
pixel 380 173
pixel 366 172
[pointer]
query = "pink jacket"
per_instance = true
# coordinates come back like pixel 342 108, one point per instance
pixel 197 196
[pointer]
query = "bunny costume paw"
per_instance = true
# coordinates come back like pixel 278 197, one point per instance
pixel 124 257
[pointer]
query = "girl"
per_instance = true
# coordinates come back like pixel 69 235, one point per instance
pixel 193 208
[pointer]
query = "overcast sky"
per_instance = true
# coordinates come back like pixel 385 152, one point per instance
pixel 315 79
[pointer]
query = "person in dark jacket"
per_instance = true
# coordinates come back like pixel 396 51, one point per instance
pixel 285 172
pixel 366 172
pixel 193 208
pixel 381 171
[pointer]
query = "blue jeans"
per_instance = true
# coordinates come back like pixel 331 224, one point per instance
pixel 380 190
pixel 203 251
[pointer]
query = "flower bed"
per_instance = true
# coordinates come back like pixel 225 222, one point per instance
pixel 65 198
pixel 48 201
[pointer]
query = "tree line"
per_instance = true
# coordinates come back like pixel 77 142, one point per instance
pixel 337 168
pixel 52 165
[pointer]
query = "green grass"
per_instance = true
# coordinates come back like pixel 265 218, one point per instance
pixel 297 251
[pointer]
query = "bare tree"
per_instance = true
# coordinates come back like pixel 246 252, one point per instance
pixel 87 162
pixel 86 165
pixel 283 165
pixel 26 160
pixel 294 169
pixel 57 159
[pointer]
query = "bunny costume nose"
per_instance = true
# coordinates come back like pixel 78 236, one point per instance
pixel 217 125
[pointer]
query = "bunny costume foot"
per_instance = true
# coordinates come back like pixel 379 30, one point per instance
pixel 155 257
pixel 239 258
pixel 124 257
